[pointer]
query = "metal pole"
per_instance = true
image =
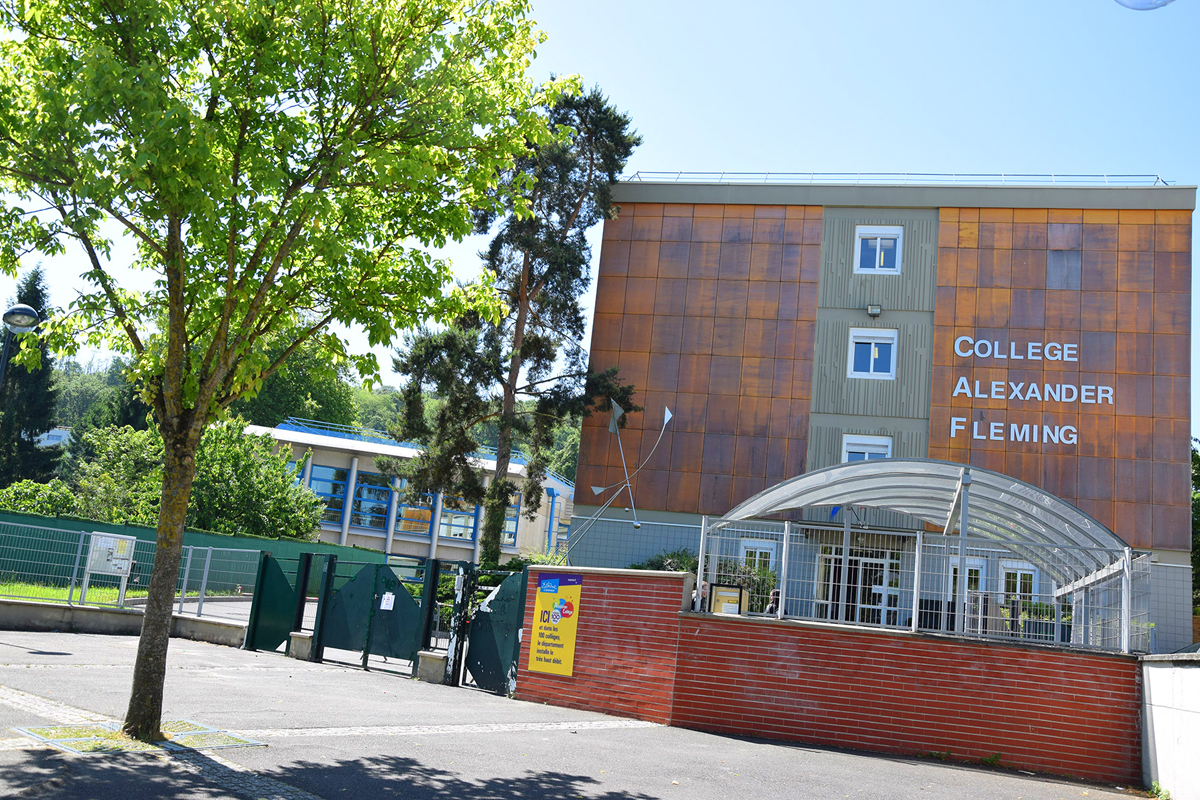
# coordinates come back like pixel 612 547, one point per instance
pixel 203 584
pixel 845 564
pixel 964 520
pixel 698 604
pixel 916 601
pixel 783 568
pixel 187 568
pixel 121 592
pixel 1126 596
pixel 75 569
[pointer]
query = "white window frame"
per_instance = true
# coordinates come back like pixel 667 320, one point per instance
pixel 878 232
pixel 1007 566
pixel 765 545
pixel 861 442
pixel 878 335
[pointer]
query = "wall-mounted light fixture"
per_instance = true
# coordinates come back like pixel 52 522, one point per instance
pixel 874 310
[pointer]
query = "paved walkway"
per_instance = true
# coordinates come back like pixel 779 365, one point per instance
pixel 337 732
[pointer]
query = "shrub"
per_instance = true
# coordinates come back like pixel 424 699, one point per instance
pixel 681 560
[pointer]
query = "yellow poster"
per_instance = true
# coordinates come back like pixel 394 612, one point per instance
pixel 556 618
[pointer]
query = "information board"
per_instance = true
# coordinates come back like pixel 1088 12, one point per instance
pixel 556 619
pixel 110 554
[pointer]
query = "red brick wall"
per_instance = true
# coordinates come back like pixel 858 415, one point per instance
pixel 1047 710
pixel 625 645
pixel 1042 709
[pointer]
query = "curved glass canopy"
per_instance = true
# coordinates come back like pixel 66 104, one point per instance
pixel 1001 508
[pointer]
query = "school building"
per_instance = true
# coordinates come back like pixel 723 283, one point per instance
pixel 857 359
pixel 363 508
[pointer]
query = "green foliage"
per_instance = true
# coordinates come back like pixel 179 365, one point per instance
pixel 532 558
pixel 757 581
pixel 525 371
pixel 122 480
pixel 1158 791
pixel 244 486
pixel 28 396
pixel 991 761
pixel 48 499
pixel 309 385
pixel 377 408
pixel 681 560
pixel 564 458
pixel 116 404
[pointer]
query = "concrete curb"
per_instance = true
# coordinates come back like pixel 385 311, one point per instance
pixel 27 615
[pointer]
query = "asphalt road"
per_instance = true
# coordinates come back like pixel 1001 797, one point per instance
pixel 338 732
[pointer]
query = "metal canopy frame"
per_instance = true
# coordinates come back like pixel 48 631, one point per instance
pixel 1020 516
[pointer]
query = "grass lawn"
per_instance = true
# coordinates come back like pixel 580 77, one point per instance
pixel 97 595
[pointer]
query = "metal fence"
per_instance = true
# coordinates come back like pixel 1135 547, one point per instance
pixel 49 565
pixel 1074 596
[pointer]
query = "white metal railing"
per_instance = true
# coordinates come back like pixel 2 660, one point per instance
pixel 910 580
pixel 898 178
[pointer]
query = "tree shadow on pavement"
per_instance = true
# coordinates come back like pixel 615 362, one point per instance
pixel 388 776
pixel 52 775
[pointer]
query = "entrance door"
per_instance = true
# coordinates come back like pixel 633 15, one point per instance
pixel 874 587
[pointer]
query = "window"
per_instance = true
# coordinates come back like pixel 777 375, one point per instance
pixel 372 493
pixel 1020 581
pixel 329 484
pixel 873 353
pixel 857 447
pixel 458 518
pixel 509 535
pixel 414 517
pixel 758 555
pixel 877 249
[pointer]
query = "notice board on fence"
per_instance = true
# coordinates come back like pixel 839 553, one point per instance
pixel 556 618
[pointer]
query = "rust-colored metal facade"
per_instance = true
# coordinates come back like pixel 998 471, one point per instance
pixel 712 309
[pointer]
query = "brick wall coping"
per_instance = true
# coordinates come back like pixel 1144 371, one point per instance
pixel 1186 658
pixel 926 635
pixel 626 573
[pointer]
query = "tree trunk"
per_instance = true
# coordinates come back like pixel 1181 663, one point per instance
pixel 144 716
pixel 497 499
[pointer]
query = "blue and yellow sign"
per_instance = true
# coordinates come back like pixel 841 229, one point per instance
pixel 556 618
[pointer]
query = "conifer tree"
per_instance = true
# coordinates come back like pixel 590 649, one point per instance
pixel 27 399
pixel 527 372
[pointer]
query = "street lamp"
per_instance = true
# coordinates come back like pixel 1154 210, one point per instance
pixel 18 319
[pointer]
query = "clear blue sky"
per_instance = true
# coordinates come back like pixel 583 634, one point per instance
pixel 1022 86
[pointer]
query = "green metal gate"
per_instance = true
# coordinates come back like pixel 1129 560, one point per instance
pixel 273 610
pixel 494 636
pixel 370 612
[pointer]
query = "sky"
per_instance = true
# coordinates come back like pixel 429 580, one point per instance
pixel 970 86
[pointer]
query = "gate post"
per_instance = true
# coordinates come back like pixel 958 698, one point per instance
pixel 371 615
pixel 433 570
pixel 326 591
pixel 303 572
pixel 259 582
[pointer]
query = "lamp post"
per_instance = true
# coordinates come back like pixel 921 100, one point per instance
pixel 18 319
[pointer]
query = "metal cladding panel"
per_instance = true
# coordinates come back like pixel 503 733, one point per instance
pixel 834 392
pixel 912 290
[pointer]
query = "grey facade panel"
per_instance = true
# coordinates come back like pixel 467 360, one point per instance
pixel 912 290
pixel 910 439
pixel 834 392
pixel 909 196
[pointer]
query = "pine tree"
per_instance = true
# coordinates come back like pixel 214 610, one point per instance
pixel 27 400
pixel 527 372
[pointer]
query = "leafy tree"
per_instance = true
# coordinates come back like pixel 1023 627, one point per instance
pixel 122 480
pixel 29 497
pixel 565 456
pixel 244 486
pixel 276 164
pixel 482 368
pixel 27 399
pixel 377 408
pixel 308 385
pixel 79 388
